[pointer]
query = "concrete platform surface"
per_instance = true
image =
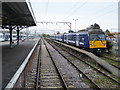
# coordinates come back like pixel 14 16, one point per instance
pixel 13 58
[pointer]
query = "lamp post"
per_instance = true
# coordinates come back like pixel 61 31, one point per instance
pixel 75 23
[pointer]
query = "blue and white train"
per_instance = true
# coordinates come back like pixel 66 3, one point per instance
pixel 92 39
pixel 1 37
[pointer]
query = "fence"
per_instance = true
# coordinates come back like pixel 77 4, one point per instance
pixel 115 49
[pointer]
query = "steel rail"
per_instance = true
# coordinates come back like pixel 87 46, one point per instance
pixel 97 87
pixel 98 60
pixel 115 66
pixel 94 68
pixel 38 67
pixel 110 59
pixel 61 77
pixel 91 66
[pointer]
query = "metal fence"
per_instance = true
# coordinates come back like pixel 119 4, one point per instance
pixel 115 48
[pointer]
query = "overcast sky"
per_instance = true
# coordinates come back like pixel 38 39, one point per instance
pixel 102 12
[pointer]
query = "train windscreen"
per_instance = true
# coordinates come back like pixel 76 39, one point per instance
pixel 97 37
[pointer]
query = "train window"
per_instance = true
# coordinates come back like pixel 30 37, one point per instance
pixel 83 39
pixel 77 38
pixel 70 38
pixel 74 38
pixel 94 37
pixel 65 37
pixel 101 36
pixel 80 38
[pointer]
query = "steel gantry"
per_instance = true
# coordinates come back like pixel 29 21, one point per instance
pixel 67 23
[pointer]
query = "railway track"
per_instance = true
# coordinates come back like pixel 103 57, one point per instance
pixel 70 74
pixel 103 73
pixel 111 61
pixel 48 74
pixel 108 57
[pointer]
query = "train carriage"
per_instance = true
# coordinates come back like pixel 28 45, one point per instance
pixel 1 37
pixel 6 36
pixel 92 39
pixel 82 39
pixel 59 37
pixel 65 38
pixel 72 38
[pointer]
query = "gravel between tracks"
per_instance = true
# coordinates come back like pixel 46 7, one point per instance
pixel 71 75
pixel 102 81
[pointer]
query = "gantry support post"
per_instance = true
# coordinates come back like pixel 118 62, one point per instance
pixel 70 26
pixel 10 36
pixel 18 35
pixel 119 29
pixel 119 47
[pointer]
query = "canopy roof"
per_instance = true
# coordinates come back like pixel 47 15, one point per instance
pixel 18 13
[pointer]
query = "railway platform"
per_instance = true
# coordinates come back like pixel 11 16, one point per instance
pixel 12 58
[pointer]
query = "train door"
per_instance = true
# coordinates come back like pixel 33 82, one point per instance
pixel 77 40
pixel 67 37
pixel 86 41
pixel 81 44
pixel 63 38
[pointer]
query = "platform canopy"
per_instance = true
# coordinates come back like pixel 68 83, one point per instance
pixel 17 12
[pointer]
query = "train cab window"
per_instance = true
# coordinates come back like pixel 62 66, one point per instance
pixel 94 37
pixel 101 36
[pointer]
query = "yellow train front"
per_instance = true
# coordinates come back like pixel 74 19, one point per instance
pixel 97 41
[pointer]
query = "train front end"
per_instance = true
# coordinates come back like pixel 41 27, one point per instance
pixel 97 41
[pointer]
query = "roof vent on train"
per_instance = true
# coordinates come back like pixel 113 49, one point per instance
pixel 95 26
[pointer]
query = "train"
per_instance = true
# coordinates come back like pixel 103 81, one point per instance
pixel 6 37
pixel 93 40
pixel 1 37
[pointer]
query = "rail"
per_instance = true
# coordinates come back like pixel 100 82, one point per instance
pixel 95 85
pixel 38 67
pixel 103 63
pixel 21 69
pixel 118 61
pixel 87 64
pixel 61 77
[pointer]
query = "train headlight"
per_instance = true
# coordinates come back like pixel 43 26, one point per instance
pixel 93 44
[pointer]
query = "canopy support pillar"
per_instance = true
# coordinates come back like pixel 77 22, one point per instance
pixel 18 31
pixel 10 29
